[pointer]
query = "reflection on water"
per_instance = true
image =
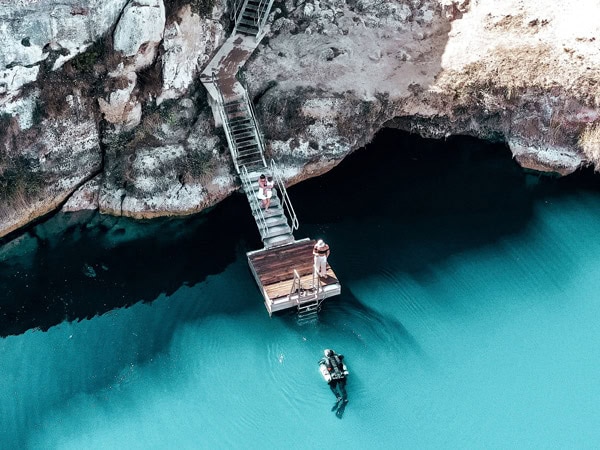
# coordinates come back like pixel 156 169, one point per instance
pixel 468 316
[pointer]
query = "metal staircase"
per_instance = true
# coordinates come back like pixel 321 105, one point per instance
pixel 276 225
pixel 251 17
pixel 247 150
pixel 241 130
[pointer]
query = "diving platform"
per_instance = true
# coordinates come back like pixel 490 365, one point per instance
pixel 283 269
pixel 287 277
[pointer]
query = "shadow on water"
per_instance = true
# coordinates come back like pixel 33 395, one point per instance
pixel 431 198
pixel 76 266
pixel 421 201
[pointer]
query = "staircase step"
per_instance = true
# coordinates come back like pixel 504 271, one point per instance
pixel 248 150
pixel 278 241
pixel 278 230
pixel 253 164
pixel 240 134
pixel 239 123
pixel 234 103
pixel 246 30
pixel 275 204
pixel 238 115
pixel 241 127
pixel 311 307
pixel 250 18
pixel 248 144
pixel 244 141
pixel 274 221
pixel 248 22
pixel 250 158
pixel 236 109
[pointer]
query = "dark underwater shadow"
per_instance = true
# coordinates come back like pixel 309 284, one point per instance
pixel 74 267
pixel 415 202
pixel 339 313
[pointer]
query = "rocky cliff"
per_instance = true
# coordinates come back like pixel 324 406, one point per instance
pixel 100 106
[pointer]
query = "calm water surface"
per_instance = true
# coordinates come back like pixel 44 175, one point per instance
pixel 469 317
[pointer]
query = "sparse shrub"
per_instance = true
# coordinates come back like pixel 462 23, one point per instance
pixel 38 113
pixel 84 62
pixel 19 181
pixel 198 163
pixel 589 141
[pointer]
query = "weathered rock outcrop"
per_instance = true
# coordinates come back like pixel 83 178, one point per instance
pixel 104 94
pixel 521 72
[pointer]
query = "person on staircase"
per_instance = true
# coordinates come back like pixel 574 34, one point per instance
pixel 264 192
pixel 269 191
pixel 320 253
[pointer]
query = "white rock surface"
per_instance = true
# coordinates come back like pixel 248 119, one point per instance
pixel 187 46
pixel 84 198
pixel 121 108
pixel 141 24
pixel 27 27
pixel 21 107
pixel 11 80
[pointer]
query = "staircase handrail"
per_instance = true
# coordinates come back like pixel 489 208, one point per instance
pixel 285 199
pixel 253 200
pixel 225 121
pixel 264 18
pixel 238 14
pixel 258 132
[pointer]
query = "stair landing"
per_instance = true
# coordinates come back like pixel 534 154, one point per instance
pixel 230 57
pixel 273 270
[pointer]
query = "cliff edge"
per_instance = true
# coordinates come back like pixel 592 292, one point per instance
pixel 100 105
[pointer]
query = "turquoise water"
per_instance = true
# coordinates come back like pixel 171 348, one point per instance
pixel 469 317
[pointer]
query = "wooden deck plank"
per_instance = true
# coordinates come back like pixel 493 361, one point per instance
pixel 278 264
pixel 282 288
pixel 274 270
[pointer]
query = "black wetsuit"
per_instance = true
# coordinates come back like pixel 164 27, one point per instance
pixel 337 384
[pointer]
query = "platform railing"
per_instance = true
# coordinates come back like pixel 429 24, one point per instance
pixel 316 279
pixel 285 199
pixel 296 285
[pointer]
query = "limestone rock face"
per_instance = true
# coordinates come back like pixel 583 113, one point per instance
pixel 99 99
pixel 187 45
pixel 41 168
pixel 175 165
pixel 32 28
pixel 523 72
pixel 120 107
pixel 84 198
pixel 142 22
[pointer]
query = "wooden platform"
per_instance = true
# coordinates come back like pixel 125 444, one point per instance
pixel 273 270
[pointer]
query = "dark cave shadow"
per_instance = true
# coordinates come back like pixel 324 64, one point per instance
pixel 76 268
pixel 419 201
